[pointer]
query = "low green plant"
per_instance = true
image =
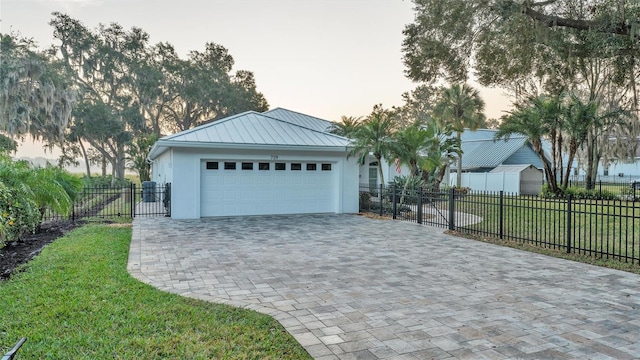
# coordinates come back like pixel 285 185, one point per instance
pixel 578 193
pixel 18 214
pixel 76 300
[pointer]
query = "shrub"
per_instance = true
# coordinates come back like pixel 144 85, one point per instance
pixel 579 194
pixel 18 214
pixel 365 200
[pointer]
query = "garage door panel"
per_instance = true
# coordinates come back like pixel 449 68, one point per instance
pixel 261 192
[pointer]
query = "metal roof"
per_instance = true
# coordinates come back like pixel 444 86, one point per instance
pixel 297 118
pixel 489 153
pixel 249 129
pixel 512 168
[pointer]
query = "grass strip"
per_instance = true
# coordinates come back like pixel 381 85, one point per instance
pixel 76 300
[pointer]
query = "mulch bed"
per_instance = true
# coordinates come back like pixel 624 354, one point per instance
pixel 20 252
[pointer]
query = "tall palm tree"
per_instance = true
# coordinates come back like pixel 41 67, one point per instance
pixel 460 107
pixel 347 126
pixel 413 146
pixel 579 118
pixel 526 120
pixel 373 136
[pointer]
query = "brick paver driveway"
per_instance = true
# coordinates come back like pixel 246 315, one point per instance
pixel 349 287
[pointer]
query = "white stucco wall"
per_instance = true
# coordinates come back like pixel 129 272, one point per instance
pixel 388 171
pixel 186 168
pixel 161 168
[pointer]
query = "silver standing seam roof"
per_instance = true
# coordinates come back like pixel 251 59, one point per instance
pixel 489 153
pixel 250 129
pixel 297 118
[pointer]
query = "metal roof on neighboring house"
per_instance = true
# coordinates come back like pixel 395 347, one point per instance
pixel 297 118
pixel 512 168
pixel 489 153
pixel 249 129
pixel 480 134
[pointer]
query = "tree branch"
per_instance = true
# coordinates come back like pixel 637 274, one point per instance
pixel 555 21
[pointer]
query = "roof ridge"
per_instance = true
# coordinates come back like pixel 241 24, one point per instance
pixel 306 128
pixel 299 113
pixel 211 123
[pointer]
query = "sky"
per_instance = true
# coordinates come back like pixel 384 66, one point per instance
pixel 325 58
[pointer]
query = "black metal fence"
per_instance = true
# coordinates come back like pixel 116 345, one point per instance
pixel 608 229
pixel 117 202
pixel 624 187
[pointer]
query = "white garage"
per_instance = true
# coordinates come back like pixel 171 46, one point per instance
pixel 256 164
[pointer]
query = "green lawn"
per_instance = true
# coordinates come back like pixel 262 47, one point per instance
pixel 77 301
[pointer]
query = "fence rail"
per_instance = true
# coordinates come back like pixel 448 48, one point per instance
pixel 608 229
pixel 117 202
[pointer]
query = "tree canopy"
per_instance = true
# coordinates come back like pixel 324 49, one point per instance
pixel 130 89
pixel 508 43
pixel 36 96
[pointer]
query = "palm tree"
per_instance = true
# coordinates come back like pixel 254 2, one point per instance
pixel 444 150
pixel 527 121
pixel 347 126
pixel 373 136
pixel 460 107
pixel 579 118
pixel 413 146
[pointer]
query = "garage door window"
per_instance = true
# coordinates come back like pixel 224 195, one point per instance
pixel 247 166
pixel 229 165
pixel 281 166
pixel 311 167
pixel 212 165
pixel 326 167
pixel 263 166
pixel 296 166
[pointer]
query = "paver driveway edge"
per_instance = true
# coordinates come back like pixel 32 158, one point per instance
pixel 307 339
pixel 348 287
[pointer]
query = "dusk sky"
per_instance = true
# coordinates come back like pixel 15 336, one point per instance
pixel 325 58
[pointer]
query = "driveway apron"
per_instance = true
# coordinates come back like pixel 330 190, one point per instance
pixel 349 287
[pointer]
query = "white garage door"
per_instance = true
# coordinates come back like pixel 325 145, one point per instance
pixel 231 188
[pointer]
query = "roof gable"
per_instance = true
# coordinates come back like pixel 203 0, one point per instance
pixel 489 153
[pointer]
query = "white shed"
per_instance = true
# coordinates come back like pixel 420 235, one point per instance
pixel 529 177
pixel 255 164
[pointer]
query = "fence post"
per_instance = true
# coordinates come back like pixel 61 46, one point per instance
pixel 420 205
pixel 133 200
pixel 501 211
pixel 381 199
pixel 600 187
pixel 395 204
pixel 452 213
pixel 569 223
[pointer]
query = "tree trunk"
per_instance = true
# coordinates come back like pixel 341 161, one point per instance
pixel 551 176
pixel 380 170
pixel 104 166
pixel 86 158
pixel 573 148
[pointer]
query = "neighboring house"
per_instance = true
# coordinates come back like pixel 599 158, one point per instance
pixel 499 165
pixel 481 153
pixel 278 162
